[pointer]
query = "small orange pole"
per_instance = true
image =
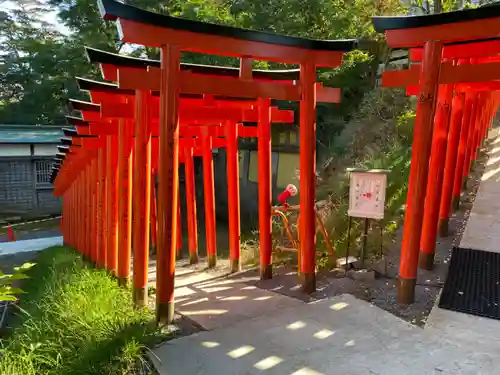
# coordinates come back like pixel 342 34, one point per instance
pixel 191 205
pixel 101 206
pixel 265 189
pixel 457 109
pixel 462 151
pixel 233 191
pixel 435 178
pixel 11 237
pixel 141 198
pixel 421 149
pixel 168 180
pixel 209 198
pixel 125 131
pixel 307 225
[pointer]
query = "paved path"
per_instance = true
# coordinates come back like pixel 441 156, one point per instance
pixel 482 233
pixel 341 335
pixel 9 248
pixel 256 331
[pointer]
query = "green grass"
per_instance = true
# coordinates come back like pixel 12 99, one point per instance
pixel 76 321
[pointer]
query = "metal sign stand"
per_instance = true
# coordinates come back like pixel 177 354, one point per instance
pixel 366 200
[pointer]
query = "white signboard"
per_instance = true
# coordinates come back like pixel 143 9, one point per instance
pixel 367 194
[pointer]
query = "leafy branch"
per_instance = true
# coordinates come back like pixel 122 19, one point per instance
pixel 7 291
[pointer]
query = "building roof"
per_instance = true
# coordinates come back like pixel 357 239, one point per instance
pixel 30 134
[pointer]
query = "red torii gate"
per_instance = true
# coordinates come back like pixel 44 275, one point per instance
pixel 173 35
pixel 108 110
pixel 437 34
pixel 138 26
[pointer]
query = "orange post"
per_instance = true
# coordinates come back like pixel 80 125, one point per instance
pixel 470 140
pixel 307 223
pixel 209 198
pixel 435 178
pixel 168 180
pixel 421 149
pixel 95 202
pixel 462 151
pixel 457 109
pixel 101 206
pixel 191 205
pixel 154 215
pixel 141 198
pixel 265 189
pixel 477 129
pixel 88 210
pixel 179 225
pixel 112 203
pixel 125 131
pixel 233 192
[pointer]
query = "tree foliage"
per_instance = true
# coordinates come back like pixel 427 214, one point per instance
pixel 38 61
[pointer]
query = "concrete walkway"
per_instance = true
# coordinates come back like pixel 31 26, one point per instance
pixel 10 248
pixel 254 331
pixel 482 233
pixel 342 335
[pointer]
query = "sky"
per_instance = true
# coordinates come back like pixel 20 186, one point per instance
pixel 49 17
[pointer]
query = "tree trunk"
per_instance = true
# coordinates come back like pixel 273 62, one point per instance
pixel 438 6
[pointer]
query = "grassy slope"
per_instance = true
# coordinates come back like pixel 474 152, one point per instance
pixel 78 321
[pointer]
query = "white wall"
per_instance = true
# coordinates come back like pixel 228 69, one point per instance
pixel 15 150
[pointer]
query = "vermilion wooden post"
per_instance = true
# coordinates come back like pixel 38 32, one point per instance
pixel 457 108
pixel 308 176
pixel 88 211
pixel 112 201
pixel 421 148
pixel 141 197
pixel 470 140
pixel 81 233
pixel 179 225
pixel 233 192
pixel 101 213
pixel 435 178
pixel 168 182
pixel 265 189
pixel 191 216
pixel 125 131
pixel 462 151
pixel 477 127
pixel 154 216
pixel 209 198
pixel 74 234
pixel 95 202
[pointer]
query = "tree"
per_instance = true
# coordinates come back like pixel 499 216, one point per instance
pixel 37 66
pixel 38 63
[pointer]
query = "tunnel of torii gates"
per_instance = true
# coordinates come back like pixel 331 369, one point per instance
pixel 455 73
pixel 182 111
